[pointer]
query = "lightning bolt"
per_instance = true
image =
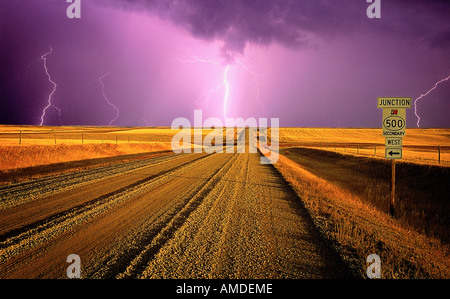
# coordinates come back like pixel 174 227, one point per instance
pixel 105 97
pixel 195 59
pixel 225 84
pixel 227 91
pixel 424 95
pixel 256 79
pixel 208 93
pixel 49 102
pixel 25 74
pixel 100 80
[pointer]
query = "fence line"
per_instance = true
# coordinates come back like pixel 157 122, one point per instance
pixel 437 154
pixel 55 137
pixel 74 137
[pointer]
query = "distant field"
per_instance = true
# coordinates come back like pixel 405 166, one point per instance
pixel 24 146
pixel 429 137
pixel 419 145
pixel 28 146
pixel 34 135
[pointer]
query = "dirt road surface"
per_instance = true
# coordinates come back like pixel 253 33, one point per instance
pixel 172 216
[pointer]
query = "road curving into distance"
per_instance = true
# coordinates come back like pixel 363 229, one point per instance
pixel 171 216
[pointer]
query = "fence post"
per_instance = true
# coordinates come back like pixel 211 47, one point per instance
pixel 357 149
pixel 116 139
pixel 375 150
pixel 82 138
pixel 55 137
pixel 439 154
pixel 20 138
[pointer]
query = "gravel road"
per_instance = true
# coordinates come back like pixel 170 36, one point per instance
pixel 170 216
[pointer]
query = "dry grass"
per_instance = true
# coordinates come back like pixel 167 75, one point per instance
pixel 419 145
pixel 36 135
pixel 15 157
pixel 421 190
pixel 358 229
pixel 27 146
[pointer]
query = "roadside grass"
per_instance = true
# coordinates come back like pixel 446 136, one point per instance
pixel 357 229
pixel 16 157
pixel 422 191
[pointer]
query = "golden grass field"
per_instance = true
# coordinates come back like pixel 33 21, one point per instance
pixel 28 146
pixel 419 145
pixel 37 144
pixel 338 177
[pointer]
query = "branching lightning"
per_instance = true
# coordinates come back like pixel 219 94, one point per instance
pixel 196 59
pixel 424 95
pixel 100 80
pixel 225 84
pixel 49 104
pixel 256 79
pixel 227 91
pixel 208 93
pixel 105 97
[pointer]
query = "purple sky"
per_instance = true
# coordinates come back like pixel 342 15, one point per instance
pixel 318 63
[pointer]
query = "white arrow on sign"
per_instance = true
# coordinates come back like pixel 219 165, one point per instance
pixel 393 153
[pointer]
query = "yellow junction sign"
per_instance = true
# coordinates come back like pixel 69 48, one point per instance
pixel 394 102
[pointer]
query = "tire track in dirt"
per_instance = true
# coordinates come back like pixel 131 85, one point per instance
pixel 101 231
pixel 138 264
pixel 24 236
pixel 250 225
pixel 19 193
pixel 36 212
pixel 17 235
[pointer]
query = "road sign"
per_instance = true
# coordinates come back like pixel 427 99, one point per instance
pixel 393 153
pixel 393 142
pixel 394 122
pixel 394 103
pixel 394 128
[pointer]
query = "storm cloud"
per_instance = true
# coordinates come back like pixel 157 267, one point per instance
pixel 310 62
pixel 297 23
